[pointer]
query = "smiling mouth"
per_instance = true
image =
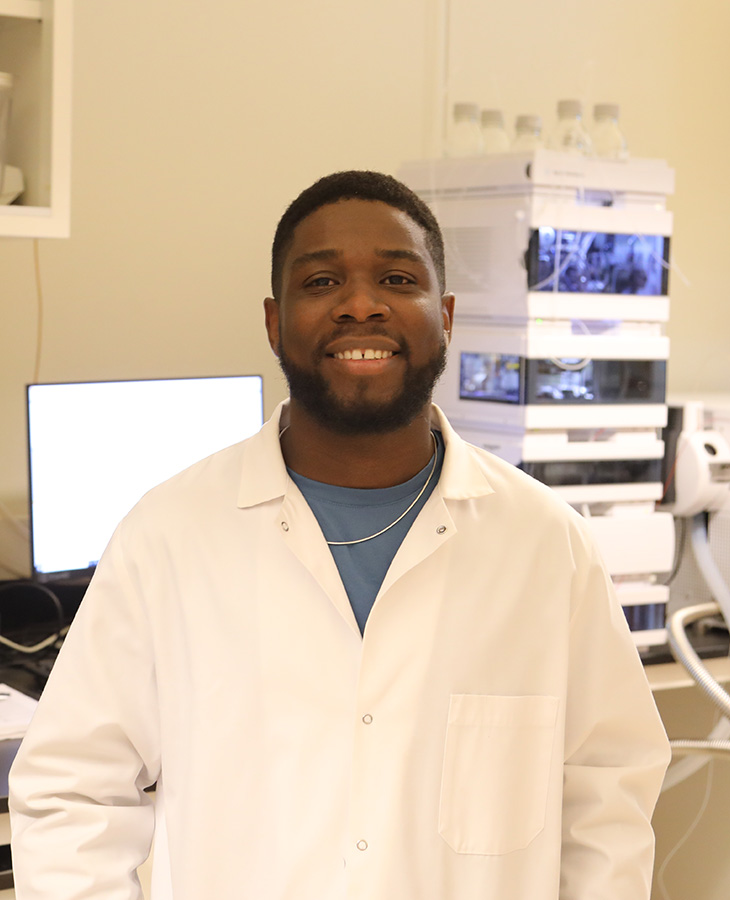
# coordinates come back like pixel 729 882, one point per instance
pixel 368 353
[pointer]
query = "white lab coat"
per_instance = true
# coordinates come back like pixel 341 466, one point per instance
pixel 491 736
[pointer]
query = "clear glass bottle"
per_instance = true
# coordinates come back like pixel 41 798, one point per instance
pixel 608 139
pixel 494 136
pixel 465 135
pixel 528 134
pixel 570 134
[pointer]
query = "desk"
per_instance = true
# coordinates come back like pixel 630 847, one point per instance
pixel 700 869
pixel 672 676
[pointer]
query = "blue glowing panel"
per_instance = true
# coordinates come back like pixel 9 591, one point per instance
pixel 490 376
pixel 592 262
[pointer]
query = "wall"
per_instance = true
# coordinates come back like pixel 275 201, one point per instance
pixel 194 125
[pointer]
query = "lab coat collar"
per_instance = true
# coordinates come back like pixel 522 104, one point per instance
pixel 463 475
pixel 263 471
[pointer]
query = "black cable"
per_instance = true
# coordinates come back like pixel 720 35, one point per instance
pixel 679 553
pixel 46 592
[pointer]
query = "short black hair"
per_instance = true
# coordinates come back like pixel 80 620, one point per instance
pixel 356 185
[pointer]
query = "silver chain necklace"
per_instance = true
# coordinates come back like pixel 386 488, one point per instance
pixel 403 514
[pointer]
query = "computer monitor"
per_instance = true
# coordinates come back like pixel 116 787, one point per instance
pixel 96 447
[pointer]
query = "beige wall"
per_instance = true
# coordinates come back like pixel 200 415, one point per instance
pixel 194 125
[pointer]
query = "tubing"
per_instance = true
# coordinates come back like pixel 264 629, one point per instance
pixel 685 654
pixel 708 748
pixel 693 761
pixel 708 567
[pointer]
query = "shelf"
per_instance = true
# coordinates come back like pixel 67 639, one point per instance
pixel 672 676
pixel 35 47
pixel 22 9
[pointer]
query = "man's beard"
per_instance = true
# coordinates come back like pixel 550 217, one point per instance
pixel 360 415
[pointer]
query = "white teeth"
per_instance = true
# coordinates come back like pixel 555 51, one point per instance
pixel 369 353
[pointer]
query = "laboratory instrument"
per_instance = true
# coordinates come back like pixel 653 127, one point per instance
pixel 558 355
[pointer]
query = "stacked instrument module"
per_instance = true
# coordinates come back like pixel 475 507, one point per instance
pixel 558 359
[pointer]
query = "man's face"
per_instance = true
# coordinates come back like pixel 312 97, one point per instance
pixel 360 327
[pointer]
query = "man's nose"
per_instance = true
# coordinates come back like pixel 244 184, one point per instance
pixel 361 301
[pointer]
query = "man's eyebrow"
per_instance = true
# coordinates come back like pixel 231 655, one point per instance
pixel 410 255
pixel 329 254
pixel 316 256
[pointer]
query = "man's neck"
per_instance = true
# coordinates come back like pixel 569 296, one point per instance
pixel 358 461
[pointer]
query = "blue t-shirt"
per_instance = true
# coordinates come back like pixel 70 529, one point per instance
pixel 351 513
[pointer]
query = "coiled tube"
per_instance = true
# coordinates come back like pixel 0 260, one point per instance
pixel 685 654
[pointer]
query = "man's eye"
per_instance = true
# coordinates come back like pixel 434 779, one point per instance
pixel 398 279
pixel 320 281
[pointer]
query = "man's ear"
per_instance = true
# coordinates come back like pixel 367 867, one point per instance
pixel 447 311
pixel 271 314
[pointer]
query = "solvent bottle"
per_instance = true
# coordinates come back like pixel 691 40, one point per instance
pixel 570 134
pixel 494 136
pixel 528 134
pixel 465 134
pixel 608 139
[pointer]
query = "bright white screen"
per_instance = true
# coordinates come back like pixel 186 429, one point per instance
pixel 96 448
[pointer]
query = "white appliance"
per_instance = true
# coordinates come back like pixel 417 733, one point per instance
pixel 558 356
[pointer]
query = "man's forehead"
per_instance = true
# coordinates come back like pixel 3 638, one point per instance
pixel 389 228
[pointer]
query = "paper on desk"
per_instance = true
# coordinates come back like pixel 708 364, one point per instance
pixel 16 711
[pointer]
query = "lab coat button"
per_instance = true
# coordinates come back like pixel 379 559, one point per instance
pixel 441 529
pixel 367 718
pixel 362 845
pixel 285 526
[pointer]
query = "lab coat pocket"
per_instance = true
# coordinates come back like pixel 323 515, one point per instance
pixel 496 771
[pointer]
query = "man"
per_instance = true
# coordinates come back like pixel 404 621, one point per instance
pixel 359 657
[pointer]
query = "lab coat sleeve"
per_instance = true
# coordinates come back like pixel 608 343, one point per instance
pixel 81 821
pixel 616 750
